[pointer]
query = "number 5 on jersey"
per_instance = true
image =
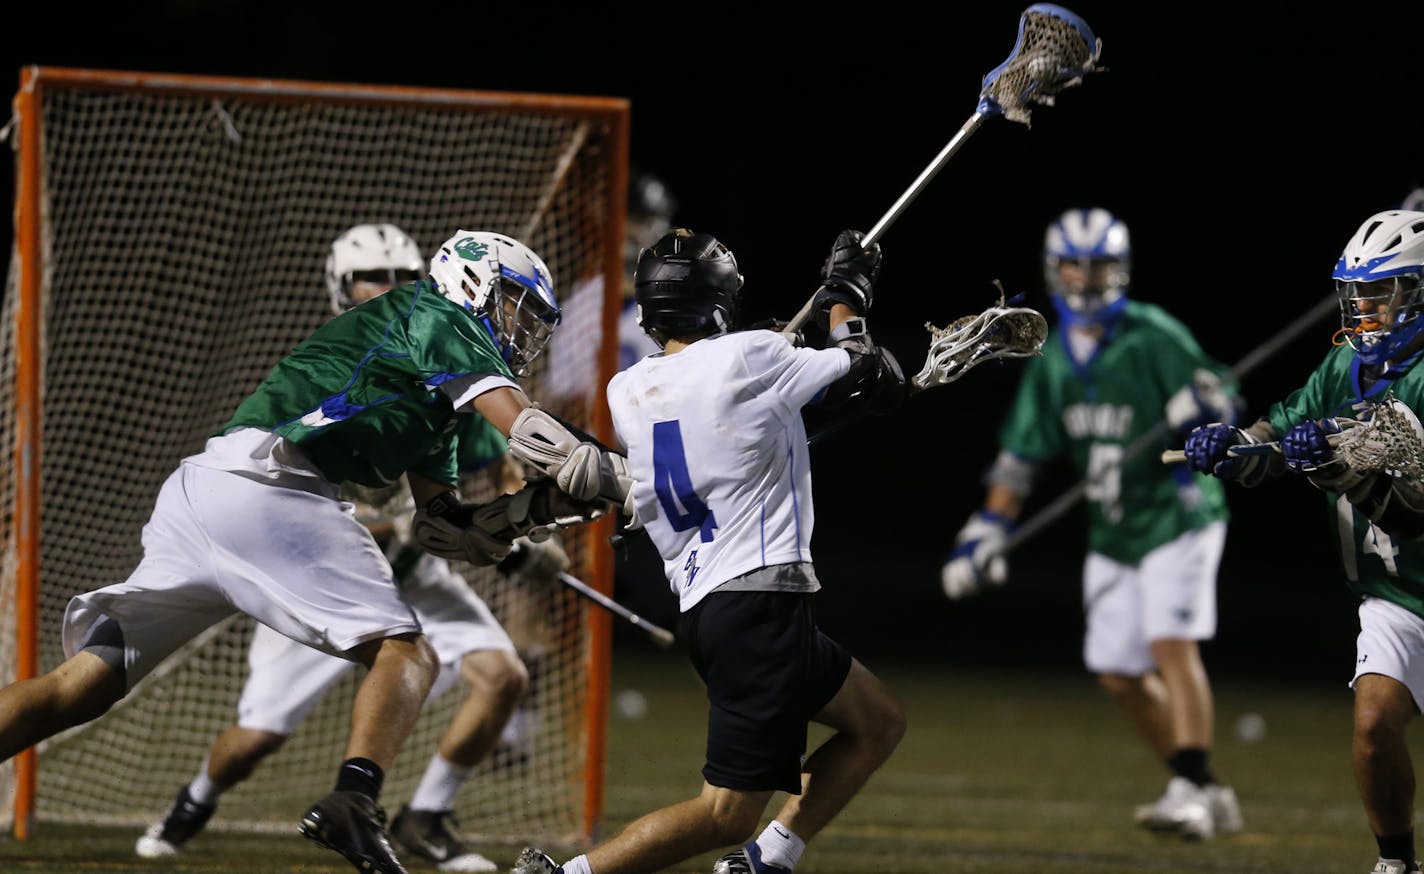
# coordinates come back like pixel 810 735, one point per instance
pixel 673 483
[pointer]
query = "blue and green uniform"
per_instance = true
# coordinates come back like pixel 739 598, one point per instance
pixel 1092 411
pixel 1373 562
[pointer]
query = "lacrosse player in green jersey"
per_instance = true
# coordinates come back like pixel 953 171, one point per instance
pixel 1377 520
pixel 1109 374
pixel 286 679
pixel 255 522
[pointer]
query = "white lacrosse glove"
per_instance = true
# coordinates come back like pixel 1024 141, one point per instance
pixel 978 556
pixel 1202 401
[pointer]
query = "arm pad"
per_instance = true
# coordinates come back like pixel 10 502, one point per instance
pixel 874 382
pixel 580 466
pixel 1395 504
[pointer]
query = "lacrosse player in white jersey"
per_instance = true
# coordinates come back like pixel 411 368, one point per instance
pixel 718 452
pixel 286 678
pixel 255 523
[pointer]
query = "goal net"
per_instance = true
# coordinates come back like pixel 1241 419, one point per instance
pixel 171 237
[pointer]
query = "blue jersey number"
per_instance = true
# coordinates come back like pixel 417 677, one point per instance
pixel 673 483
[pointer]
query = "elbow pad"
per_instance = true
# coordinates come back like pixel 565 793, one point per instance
pixel 874 382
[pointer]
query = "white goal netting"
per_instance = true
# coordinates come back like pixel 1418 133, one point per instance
pixel 184 234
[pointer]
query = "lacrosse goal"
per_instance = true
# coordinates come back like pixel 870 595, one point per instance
pixel 171 234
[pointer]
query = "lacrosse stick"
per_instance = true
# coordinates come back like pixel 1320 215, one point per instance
pixel 1385 439
pixel 1055 49
pixel 659 635
pixel 1001 331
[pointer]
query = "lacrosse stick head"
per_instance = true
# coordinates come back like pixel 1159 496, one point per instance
pixel 1054 50
pixel 1389 439
pixel 1001 331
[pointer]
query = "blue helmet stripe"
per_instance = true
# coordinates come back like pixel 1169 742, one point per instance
pixel 1370 270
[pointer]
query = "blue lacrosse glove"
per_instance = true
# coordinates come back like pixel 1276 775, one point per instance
pixel 1206 451
pixel 1305 447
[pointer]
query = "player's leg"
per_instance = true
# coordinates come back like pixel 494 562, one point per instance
pixel 115 635
pixel 471 646
pixel 1178 582
pixel 1114 649
pixel 81 688
pixel 285 680
pixel 300 564
pixel 1388 683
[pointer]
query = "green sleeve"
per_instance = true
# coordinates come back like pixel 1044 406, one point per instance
pixel 1033 429
pixel 440 464
pixel 448 343
pixel 1180 356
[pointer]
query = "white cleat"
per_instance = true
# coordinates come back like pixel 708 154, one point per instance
pixel 1225 809
pixel 1185 808
pixel 1394 866
pixel 532 861
pixel 151 846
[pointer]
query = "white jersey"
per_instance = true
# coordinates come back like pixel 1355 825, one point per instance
pixel 719 455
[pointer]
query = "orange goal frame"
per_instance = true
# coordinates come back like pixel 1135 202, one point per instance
pixel 613 112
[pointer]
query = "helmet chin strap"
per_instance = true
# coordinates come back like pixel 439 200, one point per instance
pixel 1103 316
pixel 1393 344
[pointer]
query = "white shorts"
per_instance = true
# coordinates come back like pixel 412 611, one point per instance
pixel 286 679
pixel 1169 595
pixel 1391 643
pixel 219 543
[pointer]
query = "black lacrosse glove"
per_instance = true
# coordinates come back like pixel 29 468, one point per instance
pixel 847 277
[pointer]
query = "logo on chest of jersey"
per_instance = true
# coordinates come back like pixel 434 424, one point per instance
pixel 1098 421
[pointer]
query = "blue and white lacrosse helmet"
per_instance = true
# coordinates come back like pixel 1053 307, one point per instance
pixel 1378 279
pixel 368 260
pixel 503 284
pixel 1087 265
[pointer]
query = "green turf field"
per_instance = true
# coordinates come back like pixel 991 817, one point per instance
pixel 998 773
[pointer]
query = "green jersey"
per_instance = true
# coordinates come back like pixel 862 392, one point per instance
pixel 1092 411
pixel 1374 563
pixel 362 397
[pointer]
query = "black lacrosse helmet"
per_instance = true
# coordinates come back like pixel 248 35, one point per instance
pixel 686 284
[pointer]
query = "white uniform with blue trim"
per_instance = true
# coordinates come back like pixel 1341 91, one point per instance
pixel 719 454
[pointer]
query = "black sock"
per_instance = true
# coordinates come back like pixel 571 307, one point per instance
pixel 360 775
pixel 1400 846
pixel 1191 762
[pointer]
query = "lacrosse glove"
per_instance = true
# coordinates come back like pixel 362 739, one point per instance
pixel 1206 450
pixel 978 555
pixel 1307 450
pixel 847 277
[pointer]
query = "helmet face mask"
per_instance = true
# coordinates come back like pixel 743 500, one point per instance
pixel 1380 283
pixel 686 284
pixel 1087 266
pixel 368 260
pixel 501 282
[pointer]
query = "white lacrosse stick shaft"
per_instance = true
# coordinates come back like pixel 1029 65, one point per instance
pixel 799 320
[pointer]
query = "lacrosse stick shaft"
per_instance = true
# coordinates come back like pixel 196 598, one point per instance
pixel 1066 501
pixel 799 320
pixel 1177 456
pixel 659 635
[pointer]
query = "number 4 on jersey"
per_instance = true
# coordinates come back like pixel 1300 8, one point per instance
pixel 673 483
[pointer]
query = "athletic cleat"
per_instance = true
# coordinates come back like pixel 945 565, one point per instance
pixel 182 821
pixel 1394 866
pixel 747 860
pixel 532 861
pixel 353 825
pixel 427 834
pixel 1185 808
pixel 1225 809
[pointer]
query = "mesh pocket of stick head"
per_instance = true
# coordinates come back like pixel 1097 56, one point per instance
pixel 1055 48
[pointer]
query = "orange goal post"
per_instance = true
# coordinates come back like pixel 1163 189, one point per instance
pixel 171 233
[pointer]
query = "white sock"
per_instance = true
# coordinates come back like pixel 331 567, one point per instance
pixel 203 790
pixel 577 865
pixel 780 847
pixel 442 782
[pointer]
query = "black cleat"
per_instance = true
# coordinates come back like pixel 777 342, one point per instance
pixel 183 820
pixel 353 825
pixel 427 834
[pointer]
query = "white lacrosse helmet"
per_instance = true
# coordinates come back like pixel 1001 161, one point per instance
pixel 1096 242
pixel 503 284
pixel 369 260
pixel 1380 281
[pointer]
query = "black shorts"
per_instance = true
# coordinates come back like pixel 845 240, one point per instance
pixel 768 671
